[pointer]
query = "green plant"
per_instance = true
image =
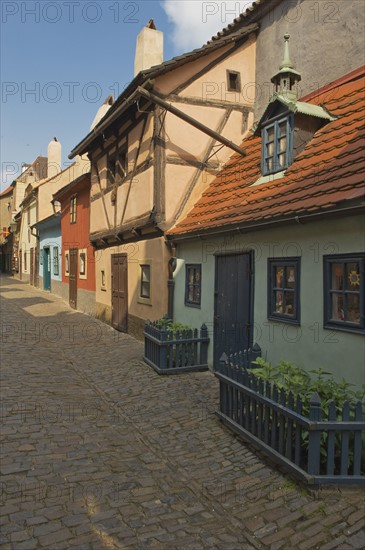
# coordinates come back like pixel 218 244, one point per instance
pixel 175 352
pixel 303 384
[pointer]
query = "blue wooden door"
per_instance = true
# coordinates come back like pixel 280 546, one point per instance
pixel 232 304
pixel 46 269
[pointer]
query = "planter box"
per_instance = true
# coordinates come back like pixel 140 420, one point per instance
pixel 272 420
pixel 170 352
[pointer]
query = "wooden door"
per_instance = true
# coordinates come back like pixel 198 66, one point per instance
pixel 120 292
pixel 20 257
pixel 232 304
pixel 73 278
pixel 46 269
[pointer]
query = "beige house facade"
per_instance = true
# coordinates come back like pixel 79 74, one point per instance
pixel 152 154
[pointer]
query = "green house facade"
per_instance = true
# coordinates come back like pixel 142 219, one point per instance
pixel 273 252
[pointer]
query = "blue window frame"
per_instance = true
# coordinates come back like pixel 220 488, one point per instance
pixel 283 290
pixel 277 144
pixel 344 292
pixel 193 281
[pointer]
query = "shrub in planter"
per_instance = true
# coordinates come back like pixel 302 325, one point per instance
pixel 303 384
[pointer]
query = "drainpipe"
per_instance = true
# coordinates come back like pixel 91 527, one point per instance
pixel 171 283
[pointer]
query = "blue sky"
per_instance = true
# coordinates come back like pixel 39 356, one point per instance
pixel 61 59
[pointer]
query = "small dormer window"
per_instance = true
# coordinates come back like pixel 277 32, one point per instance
pixel 277 144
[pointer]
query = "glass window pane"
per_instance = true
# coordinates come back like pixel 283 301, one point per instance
pixel 270 134
pixel 82 263
pixel 282 129
pixel 281 160
pixel 145 273
pixel 145 290
pixel 270 149
pixel 337 277
pixel 282 145
pixel 353 279
pixel 278 302
pixel 279 277
pixel 289 303
pixel 353 308
pixel 337 313
pixel 290 274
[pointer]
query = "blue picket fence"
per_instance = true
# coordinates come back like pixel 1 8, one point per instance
pixel 173 352
pixel 318 448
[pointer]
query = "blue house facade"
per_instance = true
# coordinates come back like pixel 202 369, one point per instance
pixel 50 253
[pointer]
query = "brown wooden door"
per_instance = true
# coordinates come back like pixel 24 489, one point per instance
pixel 32 266
pixel 120 292
pixel 73 278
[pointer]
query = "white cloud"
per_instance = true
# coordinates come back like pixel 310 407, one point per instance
pixel 196 21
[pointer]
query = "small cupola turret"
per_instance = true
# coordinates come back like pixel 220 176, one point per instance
pixel 287 78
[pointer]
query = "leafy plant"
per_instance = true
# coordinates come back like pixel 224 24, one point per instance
pixel 292 378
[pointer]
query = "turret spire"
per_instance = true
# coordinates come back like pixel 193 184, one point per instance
pixel 287 78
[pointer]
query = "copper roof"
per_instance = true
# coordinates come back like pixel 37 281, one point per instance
pixel 327 173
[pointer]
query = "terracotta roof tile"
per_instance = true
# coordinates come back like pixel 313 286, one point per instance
pixel 329 171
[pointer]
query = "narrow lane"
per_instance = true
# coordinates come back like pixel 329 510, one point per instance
pixel 99 452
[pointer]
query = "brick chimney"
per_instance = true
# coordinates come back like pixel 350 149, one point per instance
pixel 149 50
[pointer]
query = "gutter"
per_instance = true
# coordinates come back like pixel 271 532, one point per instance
pixel 264 225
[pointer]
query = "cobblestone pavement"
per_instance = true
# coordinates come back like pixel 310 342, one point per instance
pixel 100 452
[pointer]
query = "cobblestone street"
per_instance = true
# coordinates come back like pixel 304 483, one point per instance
pixel 100 452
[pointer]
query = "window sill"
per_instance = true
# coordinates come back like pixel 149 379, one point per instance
pixel 286 320
pixel 197 306
pixel 344 328
pixel 268 178
pixel 144 301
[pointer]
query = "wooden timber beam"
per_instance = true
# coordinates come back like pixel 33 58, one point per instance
pixel 190 120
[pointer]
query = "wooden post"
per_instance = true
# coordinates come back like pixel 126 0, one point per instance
pixel 204 344
pixel 314 438
pixel 163 349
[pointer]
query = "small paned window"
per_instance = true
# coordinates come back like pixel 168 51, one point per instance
pixel 73 205
pixel 145 290
pixel 283 290
pixel 56 262
pixel 25 261
pixel 193 285
pixel 233 81
pixel 344 292
pixel 277 143
pixel 103 279
pixel 117 167
pixel 82 263
pixel 67 263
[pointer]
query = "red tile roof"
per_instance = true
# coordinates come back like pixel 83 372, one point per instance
pixel 327 173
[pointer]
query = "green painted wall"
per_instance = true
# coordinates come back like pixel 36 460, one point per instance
pixel 308 344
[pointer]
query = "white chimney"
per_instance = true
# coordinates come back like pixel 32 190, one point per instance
pixel 103 109
pixel 54 158
pixel 149 49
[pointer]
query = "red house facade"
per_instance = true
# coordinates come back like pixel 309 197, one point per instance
pixel 78 256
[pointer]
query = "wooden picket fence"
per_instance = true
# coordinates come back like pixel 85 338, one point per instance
pixel 173 352
pixel 318 448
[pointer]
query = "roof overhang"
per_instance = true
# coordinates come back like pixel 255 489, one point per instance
pixel 248 227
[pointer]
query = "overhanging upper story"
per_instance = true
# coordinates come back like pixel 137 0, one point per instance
pixel 166 137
